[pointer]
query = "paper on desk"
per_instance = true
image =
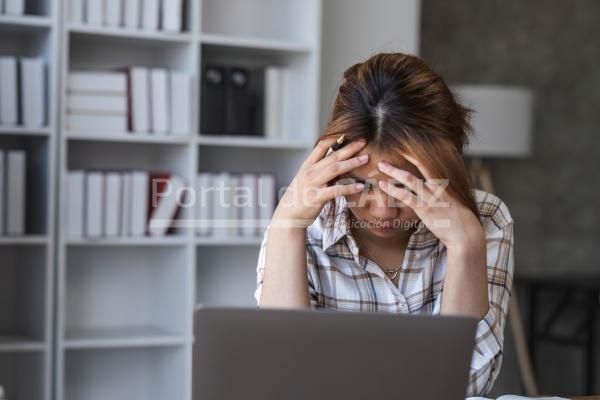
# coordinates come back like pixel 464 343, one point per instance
pixel 515 397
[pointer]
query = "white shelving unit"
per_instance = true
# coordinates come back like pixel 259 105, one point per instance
pixel 27 261
pixel 125 306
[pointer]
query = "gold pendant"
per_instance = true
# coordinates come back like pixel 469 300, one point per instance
pixel 394 271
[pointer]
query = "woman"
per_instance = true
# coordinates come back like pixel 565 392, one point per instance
pixel 389 222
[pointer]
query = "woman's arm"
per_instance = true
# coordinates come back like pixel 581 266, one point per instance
pixel 284 261
pixel 465 279
pixel 285 280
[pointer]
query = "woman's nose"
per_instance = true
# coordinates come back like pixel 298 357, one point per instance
pixel 381 206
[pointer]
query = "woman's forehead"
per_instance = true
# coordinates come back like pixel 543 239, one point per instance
pixel 393 158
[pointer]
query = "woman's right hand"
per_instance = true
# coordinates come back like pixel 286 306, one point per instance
pixel 309 190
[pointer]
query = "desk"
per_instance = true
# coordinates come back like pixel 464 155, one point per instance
pixel 583 336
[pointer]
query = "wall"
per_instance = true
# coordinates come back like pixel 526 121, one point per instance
pixel 353 30
pixel 554 48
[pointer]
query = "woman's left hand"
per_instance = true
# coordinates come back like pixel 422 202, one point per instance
pixel 449 220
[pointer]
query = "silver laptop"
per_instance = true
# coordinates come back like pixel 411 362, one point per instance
pixel 251 354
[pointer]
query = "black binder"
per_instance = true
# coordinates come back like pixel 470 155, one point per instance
pixel 245 98
pixel 213 102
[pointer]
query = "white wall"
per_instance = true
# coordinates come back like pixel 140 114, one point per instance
pixel 353 30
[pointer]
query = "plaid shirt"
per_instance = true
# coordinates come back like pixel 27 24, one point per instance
pixel 341 279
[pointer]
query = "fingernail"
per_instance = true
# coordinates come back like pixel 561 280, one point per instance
pixel 363 157
pixel 359 186
pixel 383 165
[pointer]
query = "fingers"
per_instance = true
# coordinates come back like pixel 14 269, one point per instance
pixel 336 169
pixel 420 166
pixel 321 149
pixel 345 152
pixel 334 191
pixel 404 195
pixel 406 178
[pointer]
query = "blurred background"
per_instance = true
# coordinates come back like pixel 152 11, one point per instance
pixel 100 99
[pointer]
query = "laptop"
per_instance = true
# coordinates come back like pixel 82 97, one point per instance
pixel 252 354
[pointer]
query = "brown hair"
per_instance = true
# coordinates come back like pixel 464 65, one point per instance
pixel 396 102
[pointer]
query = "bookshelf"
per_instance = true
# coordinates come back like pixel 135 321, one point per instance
pixel 124 306
pixel 112 318
pixel 27 267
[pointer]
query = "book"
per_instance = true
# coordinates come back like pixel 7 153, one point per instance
pixel 516 397
pixel 274 102
pixel 14 7
pixel 95 12
pixel 150 13
pixel 8 91
pixel 265 186
pixel 180 97
pixel 15 192
pixel 166 192
pixel 234 207
pixel 75 203
pixel 112 205
pixel 203 204
pixel 249 210
pixel 221 205
pixel 125 228
pixel 139 202
pixel 132 14
pixel 159 89
pixel 97 82
pixel 114 13
pixel 2 191
pixel 94 204
pixel 97 123
pixel 213 116
pixel 172 14
pixel 76 11
pixel 97 104
pixel 139 100
pixel 33 91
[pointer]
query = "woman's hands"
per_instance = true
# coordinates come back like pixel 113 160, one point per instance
pixel 309 190
pixel 450 221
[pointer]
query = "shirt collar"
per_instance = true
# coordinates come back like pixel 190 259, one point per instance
pixel 337 226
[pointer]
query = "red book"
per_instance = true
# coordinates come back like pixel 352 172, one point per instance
pixel 165 199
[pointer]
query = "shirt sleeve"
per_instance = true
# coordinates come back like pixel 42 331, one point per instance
pixel 489 336
pixel 260 270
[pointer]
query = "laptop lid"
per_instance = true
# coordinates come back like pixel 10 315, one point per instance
pixel 251 354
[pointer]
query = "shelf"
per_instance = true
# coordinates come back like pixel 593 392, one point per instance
pixel 127 138
pixel 25 21
pixel 156 36
pixel 23 240
pixel 200 241
pixel 129 241
pixel 120 337
pixel 233 283
pixel 13 344
pixel 127 373
pixel 124 311
pixel 27 260
pixel 23 131
pixel 254 43
pixel 24 375
pixel 249 141
pixel 125 288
